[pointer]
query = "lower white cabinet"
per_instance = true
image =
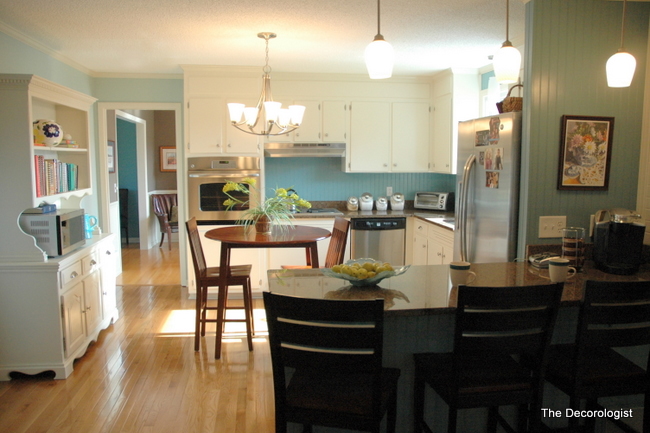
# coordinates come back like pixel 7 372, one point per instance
pixel 51 311
pixel 432 244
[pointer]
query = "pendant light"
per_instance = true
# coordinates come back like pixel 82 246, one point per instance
pixel 507 61
pixel 620 67
pixel 274 119
pixel 379 55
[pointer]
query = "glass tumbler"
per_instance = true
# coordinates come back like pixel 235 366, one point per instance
pixel 573 246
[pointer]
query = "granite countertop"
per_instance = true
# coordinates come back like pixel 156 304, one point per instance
pixel 427 290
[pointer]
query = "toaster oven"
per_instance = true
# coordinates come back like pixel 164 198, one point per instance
pixel 443 201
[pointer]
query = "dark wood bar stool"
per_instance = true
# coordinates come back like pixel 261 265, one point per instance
pixel 336 249
pixel 613 315
pixel 333 350
pixel 501 341
pixel 209 277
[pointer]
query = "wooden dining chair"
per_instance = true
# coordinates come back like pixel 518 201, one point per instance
pixel 501 338
pixel 336 249
pixel 613 315
pixel 333 349
pixel 239 275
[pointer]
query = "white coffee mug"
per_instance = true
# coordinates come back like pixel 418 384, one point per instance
pixel 559 270
pixel 459 273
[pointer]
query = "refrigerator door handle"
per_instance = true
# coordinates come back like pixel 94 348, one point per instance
pixel 462 204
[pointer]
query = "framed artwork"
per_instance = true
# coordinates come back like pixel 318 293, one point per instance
pixel 168 159
pixel 111 156
pixel 585 153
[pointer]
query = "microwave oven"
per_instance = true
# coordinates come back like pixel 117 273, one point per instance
pixel 56 233
pixel 443 201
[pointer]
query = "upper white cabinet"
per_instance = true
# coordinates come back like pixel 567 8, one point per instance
pixel 210 131
pixel 24 99
pixel 323 122
pixel 455 98
pixel 370 137
pixel 410 144
pixel 389 137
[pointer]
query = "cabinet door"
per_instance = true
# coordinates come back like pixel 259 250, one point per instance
pixel 310 128
pixel 410 138
pixel 109 298
pixel 420 247
pixel 74 330
pixel 434 253
pixel 442 142
pixel 205 120
pixel 334 127
pixel 237 141
pixel 93 301
pixel 370 137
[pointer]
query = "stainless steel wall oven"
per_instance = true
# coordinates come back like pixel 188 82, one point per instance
pixel 207 176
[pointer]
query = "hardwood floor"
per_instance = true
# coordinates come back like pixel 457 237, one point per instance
pixel 142 375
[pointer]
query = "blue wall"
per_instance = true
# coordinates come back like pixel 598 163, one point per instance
pixel 127 170
pixel 321 179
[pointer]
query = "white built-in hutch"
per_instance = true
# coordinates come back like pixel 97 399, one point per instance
pixel 51 309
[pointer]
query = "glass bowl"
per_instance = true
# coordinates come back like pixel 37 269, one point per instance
pixel 365 282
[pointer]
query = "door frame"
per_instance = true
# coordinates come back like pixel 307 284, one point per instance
pixel 103 185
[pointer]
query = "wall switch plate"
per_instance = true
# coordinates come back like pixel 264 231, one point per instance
pixel 551 226
pixel 389 191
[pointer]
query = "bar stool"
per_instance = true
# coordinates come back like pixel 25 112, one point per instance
pixel 613 315
pixel 209 277
pixel 501 339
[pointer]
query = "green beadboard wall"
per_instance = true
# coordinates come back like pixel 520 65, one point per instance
pixel 568 43
pixel 321 179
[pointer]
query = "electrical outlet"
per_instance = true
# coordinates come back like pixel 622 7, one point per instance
pixel 389 191
pixel 551 226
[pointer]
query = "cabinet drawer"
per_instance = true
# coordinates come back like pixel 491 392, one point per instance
pixel 70 273
pixel 90 263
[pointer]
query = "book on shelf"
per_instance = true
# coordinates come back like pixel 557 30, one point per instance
pixel 52 176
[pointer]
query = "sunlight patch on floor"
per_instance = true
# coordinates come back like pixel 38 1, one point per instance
pixel 181 323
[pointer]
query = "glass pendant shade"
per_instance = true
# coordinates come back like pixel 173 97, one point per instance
pixel 379 57
pixel 620 69
pixel 297 113
pixel 235 111
pixel 507 63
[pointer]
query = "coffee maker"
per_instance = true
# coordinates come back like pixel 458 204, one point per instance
pixel 618 241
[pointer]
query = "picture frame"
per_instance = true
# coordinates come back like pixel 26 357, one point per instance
pixel 168 160
pixel 110 154
pixel 585 153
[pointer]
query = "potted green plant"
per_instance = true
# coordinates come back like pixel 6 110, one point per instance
pixel 276 209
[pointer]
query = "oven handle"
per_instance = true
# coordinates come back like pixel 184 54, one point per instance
pixel 222 175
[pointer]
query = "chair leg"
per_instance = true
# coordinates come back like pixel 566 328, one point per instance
pixel 221 315
pixel 492 420
pixel 197 326
pixel 204 309
pixel 248 310
pixel 451 420
pixel 418 404
pixel 169 238
pixel 162 239
pixel 391 415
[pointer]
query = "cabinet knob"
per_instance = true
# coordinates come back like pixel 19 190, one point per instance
pixel 439 254
pixel 93 263
pixel 395 165
pixel 229 145
pixel 385 165
pixel 327 134
pixel 74 274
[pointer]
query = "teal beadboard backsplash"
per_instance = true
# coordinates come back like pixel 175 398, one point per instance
pixel 321 179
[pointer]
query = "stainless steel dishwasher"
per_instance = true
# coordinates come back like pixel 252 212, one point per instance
pixel 378 238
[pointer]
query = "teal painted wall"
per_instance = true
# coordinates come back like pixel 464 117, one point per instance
pixel 568 43
pixel 321 179
pixel 127 170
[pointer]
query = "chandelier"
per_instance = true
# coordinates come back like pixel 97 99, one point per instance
pixel 507 61
pixel 268 114
pixel 620 67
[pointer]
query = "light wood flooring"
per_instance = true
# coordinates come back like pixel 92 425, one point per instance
pixel 143 375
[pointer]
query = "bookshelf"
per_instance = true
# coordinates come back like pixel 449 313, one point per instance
pixel 23 99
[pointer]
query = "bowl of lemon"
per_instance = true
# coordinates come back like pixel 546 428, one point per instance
pixel 364 272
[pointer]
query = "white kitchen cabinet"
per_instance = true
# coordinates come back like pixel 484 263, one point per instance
pixel 334 128
pixel 370 137
pixel 455 98
pixel 209 130
pixel 432 244
pixel 310 128
pixel 51 311
pixel 389 137
pixel 410 138
pixel 323 122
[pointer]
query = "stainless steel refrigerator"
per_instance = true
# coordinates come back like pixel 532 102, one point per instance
pixel 487 188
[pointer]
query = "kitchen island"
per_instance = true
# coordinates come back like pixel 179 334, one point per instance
pixel 419 318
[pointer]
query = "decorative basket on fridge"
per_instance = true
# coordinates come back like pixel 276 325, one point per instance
pixel 511 103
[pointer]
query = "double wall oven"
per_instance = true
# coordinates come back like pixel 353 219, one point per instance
pixel 207 176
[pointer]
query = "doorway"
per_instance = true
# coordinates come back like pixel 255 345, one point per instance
pixel 108 185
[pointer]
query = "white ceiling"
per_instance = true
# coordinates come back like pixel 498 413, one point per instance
pixel 157 36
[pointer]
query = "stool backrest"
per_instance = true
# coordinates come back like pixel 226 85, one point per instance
pixel 195 247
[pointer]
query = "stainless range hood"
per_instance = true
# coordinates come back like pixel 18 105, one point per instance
pixel 285 150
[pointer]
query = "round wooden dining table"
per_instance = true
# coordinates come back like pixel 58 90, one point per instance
pixel 246 237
